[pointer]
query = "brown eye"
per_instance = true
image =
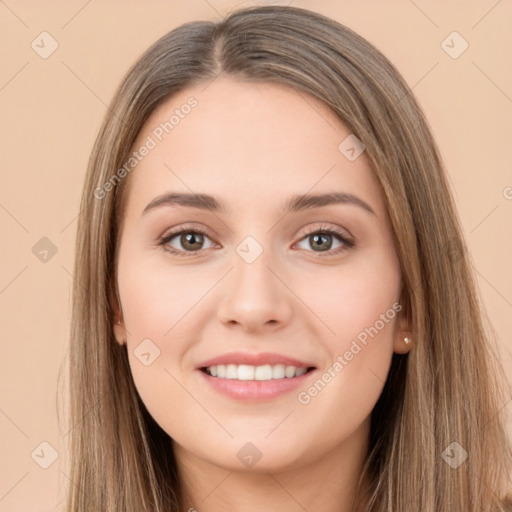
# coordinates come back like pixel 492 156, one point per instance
pixel 191 241
pixel 186 240
pixel 321 240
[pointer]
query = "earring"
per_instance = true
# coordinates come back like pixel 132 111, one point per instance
pixel 407 341
pixel 119 322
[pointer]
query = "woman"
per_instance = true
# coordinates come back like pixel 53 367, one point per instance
pixel 219 360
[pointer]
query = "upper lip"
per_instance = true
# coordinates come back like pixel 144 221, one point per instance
pixel 257 359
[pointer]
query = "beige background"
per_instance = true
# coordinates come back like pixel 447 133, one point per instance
pixel 51 110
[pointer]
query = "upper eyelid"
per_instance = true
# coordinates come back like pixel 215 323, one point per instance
pixel 176 231
pixel 325 227
pixel 309 230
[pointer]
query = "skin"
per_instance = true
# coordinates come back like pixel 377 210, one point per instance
pixel 253 146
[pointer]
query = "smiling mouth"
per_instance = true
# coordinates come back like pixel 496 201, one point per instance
pixel 257 373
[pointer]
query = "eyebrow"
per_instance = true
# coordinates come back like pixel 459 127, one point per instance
pixel 294 204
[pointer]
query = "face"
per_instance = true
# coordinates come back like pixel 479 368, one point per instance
pixel 256 331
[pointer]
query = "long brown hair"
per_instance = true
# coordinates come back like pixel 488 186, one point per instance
pixel 448 389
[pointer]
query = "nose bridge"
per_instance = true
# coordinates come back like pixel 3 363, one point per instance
pixel 254 296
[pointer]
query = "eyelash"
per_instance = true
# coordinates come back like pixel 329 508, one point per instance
pixel 327 230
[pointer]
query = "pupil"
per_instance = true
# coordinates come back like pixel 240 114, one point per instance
pixel 319 237
pixel 190 239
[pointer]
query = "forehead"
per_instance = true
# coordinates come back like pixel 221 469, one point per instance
pixel 248 144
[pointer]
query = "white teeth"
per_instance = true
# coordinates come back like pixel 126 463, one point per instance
pixel 278 371
pixel 245 372
pixel 263 372
pixel 249 372
pixel 289 371
pixel 231 372
pixel 300 371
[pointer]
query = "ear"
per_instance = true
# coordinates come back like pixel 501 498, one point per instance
pixel 117 320
pixel 404 337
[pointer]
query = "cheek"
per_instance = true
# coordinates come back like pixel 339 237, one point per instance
pixel 358 308
pixel 158 308
pixel 353 299
pixel 157 298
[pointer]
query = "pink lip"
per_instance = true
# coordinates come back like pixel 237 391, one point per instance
pixel 255 390
pixel 259 359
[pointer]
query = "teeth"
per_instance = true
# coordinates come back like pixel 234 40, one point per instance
pixel 248 372
pixel 278 371
pixel 300 371
pixel 244 372
pixel 263 372
pixel 231 372
pixel 289 372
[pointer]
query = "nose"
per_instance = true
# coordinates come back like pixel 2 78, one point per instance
pixel 256 297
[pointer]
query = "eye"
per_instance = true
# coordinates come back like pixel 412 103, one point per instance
pixel 190 240
pixel 322 239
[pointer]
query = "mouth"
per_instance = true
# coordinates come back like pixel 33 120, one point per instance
pixel 246 383
pixel 246 372
pixel 254 377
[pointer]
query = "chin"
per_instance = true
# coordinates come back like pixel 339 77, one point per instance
pixel 255 455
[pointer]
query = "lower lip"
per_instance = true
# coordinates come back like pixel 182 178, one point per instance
pixel 255 390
